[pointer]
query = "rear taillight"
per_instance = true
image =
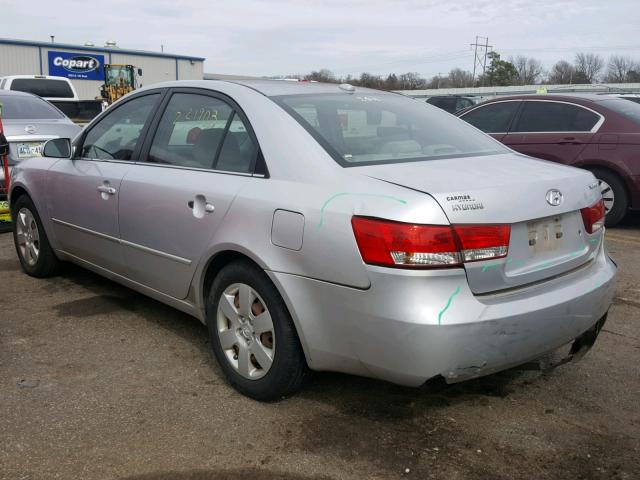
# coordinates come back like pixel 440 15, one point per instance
pixel 395 244
pixel 593 216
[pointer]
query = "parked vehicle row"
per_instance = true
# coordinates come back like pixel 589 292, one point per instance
pixel 595 132
pixel 324 227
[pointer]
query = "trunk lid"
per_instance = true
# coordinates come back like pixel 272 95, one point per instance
pixel 35 132
pixel 546 240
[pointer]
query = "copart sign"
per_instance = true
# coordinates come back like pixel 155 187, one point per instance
pixel 79 66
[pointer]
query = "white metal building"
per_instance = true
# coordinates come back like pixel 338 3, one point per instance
pixel 23 57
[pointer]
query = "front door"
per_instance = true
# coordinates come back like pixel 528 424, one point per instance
pixel 83 193
pixel 201 155
pixel 550 130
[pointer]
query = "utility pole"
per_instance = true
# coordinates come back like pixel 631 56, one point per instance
pixel 480 56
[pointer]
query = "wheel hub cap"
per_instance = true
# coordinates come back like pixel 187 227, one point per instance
pixel 27 236
pixel 245 331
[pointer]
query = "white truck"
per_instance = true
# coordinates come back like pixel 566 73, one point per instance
pixel 57 90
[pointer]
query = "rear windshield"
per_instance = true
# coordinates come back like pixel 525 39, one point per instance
pixel 624 107
pixel 372 128
pixel 27 108
pixel 43 87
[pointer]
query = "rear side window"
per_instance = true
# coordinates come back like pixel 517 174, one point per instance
pixel 492 118
pixel 626 108
pixel 200 131
pixel 43 87
pixel 26 107
pixel 115 136
pixel 555 117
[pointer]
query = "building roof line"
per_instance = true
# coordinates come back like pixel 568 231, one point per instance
pixel 85 48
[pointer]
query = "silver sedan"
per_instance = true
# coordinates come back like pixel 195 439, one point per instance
pixel 324 227
pixel 29 121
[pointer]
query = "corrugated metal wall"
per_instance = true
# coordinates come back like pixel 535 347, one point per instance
pixel 189 70
pixel 25 60
pixel 19 60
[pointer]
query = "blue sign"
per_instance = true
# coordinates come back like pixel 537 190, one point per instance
pixel 78 66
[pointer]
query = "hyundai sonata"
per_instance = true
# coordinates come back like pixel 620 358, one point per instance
pixel 324 227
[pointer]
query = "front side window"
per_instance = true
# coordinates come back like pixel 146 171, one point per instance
pixel 116 135
pixel 373 128
pixel 492 118
pixel 539 116
pixel 200 131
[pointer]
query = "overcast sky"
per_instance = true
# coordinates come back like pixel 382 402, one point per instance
pixel 346 36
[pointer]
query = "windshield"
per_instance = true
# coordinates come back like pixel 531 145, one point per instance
pixel 624 107
pixel 43 87
pixel 375 128
pixel 19 107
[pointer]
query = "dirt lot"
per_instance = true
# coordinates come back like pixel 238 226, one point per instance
pixel 98 382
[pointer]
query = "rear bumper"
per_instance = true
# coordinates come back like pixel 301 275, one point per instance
pixel 410 326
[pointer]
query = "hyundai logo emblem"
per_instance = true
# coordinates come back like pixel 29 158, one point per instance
pixel 30 129
pixel 554 197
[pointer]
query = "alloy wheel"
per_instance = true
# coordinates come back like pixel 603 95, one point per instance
pixel 607 195
pixel 27 236
pixel 245 330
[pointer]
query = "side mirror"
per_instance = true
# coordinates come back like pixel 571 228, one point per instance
pixel 57 148
pixel 4 145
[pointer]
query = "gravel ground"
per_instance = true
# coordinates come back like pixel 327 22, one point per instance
pixel 98 382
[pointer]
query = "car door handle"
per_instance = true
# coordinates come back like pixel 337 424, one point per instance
pixel 107 189
pixel 570 141
pixel 202 207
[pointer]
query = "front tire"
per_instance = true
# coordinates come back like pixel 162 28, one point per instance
pixel 32 245
pixel 614 194
pixel 252 334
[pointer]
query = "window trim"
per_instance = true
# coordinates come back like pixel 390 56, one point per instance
pixel 79 145
pixel 235 108
pixel 514 115
pixel 594 129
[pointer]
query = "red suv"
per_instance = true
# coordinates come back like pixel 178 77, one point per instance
pixel 595 132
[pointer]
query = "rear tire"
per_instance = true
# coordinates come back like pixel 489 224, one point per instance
pixel 32 245
pixel 255 340
pixel 614 195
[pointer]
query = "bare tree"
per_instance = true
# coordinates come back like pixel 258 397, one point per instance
pixel 561 73
pixel 459 78
pixel 411 81
pixel 588 67
pixel 621 69
pixel 529 69
pixel 322 75
pixel 371 81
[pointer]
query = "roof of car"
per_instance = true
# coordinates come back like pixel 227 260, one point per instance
pixel 587 97
pixel 266 87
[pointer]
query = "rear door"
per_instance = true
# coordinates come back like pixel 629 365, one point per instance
pixel 553 130
pixel 201 152
pixel 493 118
pixel 84 192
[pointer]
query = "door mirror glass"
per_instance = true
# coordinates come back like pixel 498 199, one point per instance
pixel 57 148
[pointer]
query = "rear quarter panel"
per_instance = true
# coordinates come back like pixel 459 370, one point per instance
pixel 622 158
